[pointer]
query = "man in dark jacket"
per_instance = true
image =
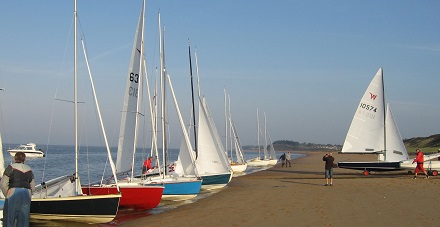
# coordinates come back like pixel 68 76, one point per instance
pixel 17 185
pixel 329 159
pixel 283 160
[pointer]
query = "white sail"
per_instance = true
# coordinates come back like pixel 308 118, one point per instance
pixel 185 164
pixel 272 153
pixel 395 149
pixel 237 144
pixel 211 155
pixel 366 131
pixel 127 132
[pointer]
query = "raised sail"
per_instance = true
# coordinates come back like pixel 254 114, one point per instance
pixel 366 131
pixel 127 131
pixel 395 149
pixel 211 158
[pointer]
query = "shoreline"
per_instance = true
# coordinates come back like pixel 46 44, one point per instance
pixel 297 196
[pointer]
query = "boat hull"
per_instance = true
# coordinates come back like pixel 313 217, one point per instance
pixel 85 209
pixel 178 189
pixel 215 180
pixel 238 168
pixel 133 196
pixel 258 162
pixel 428 165
pixel 35 154
pixel 273 161
pixel 371 166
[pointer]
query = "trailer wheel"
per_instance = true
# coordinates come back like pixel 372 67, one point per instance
pixel 366 172
pixel 409 172
pixel 434 173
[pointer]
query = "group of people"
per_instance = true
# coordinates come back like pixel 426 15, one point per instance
pixel 285 159
pixel 329 164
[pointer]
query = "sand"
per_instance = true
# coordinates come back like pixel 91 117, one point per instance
pixel 296 196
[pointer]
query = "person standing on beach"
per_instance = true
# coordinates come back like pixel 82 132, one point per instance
pixel 329 159
pixel 283 160
pixel 419 167
pixel 17 185
pixel 288 159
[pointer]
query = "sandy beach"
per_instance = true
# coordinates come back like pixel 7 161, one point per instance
pixel 296 196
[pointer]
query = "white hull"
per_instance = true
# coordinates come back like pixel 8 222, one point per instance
pixel 257 162
pixel 238 168
pixel 428 165
pixel 273 161
pixel 34 154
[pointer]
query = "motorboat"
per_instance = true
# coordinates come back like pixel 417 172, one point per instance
pixel 29 149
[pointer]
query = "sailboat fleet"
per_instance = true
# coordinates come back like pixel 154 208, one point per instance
pixel 203 162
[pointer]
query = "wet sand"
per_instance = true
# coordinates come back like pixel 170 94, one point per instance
pixel 296 196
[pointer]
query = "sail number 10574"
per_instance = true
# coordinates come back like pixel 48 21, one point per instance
pixel 368 107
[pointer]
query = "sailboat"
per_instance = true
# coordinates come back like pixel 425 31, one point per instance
pixel 177 187
pixel 271 156
pixel 239 165
pixel 211 160
pixel 134 194
pixel 374 131
pixel 258 161
pixel 61 198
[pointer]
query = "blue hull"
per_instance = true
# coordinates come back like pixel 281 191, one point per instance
pixel 216 179
pixel 181 187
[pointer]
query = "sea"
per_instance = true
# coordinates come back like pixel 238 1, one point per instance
pixel 93 166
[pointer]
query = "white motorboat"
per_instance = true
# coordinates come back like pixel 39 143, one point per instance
pixel 29 149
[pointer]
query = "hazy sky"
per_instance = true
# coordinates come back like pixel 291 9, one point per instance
pixel 306 64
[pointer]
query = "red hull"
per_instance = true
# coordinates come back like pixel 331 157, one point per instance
pixel 135 197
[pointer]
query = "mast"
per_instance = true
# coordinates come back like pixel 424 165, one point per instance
pixel 193 105
pixel 226 125
pixel 75 94
pixel 162 85
pixel 258 136
pixel 384 119
pixel 265 137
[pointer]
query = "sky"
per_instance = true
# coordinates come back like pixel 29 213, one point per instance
pixel 304 64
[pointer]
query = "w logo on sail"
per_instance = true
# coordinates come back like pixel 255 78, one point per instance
pixel 373 96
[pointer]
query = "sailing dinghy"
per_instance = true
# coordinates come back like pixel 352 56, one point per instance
pixel 61 198
pixel 374 131
pixel 176 187
pixel 134 194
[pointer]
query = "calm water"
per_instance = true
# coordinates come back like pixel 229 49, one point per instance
pixel 92 161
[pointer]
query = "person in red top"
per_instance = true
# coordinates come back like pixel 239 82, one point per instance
pixel 419 160
pixel 147 165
